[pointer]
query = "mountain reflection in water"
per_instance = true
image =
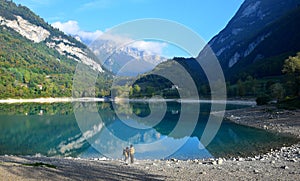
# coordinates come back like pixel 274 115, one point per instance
pixel 104 129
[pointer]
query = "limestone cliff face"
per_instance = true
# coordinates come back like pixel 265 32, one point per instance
pixel 242 34
pixel 38 34
pixel 32 32
pixel 65 47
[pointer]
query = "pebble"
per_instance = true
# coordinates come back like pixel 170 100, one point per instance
pixel 240 159
pixel 203 173
pixel 220 162
pixel 255 171
pixel 284 167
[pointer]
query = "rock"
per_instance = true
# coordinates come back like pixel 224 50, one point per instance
pixel 273 162
pixel 284 167
pixel 220 162
pixel 174 160
pixel 250 159
pixel 214 162
pixel 203 173
pixel 256 171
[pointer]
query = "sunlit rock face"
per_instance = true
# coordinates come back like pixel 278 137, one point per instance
pixel 32 32
pixel 240 37
pixel 38 34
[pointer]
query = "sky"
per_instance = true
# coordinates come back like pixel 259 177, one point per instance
pixel 90 18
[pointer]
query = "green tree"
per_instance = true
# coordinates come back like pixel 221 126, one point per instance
pixel 26 77
pixel 277 91
pixel 291 67
pixel 241 88
pixel 136 88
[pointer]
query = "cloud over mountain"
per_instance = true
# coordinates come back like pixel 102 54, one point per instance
pixel 72 28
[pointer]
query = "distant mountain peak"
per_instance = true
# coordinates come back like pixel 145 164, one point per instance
pixel 124 59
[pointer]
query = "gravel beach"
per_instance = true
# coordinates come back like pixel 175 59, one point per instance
pixel 281 164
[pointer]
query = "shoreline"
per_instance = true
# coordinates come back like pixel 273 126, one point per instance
pixel 267 118
pixel 51 100
pixel 119 100
pixel 280 164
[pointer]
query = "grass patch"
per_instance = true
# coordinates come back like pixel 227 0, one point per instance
pixel 40 164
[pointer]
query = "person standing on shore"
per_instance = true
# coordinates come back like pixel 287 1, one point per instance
pixel 126 154
pixel 131 151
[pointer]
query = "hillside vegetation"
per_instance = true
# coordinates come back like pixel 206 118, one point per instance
pixel 31 70
pixel 262 74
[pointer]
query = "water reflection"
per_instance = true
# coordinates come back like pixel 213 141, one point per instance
pixel 55 132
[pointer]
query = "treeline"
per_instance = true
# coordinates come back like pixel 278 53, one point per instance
pixel 284 89
pixel 36 109
pixel 278 88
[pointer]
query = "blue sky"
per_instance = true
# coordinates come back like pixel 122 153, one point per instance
pixel 205 17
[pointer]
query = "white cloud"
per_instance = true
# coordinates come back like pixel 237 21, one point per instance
pixel 72 28
pixel 150 46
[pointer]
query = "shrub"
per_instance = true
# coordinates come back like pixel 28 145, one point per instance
pixel 263 99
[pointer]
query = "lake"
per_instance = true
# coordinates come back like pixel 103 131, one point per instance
pixel 103 129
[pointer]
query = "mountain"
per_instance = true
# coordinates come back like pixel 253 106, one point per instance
pixel 259 31
pixel 251 49
pixel 37 59
pixel 126 60
pixel 268 56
